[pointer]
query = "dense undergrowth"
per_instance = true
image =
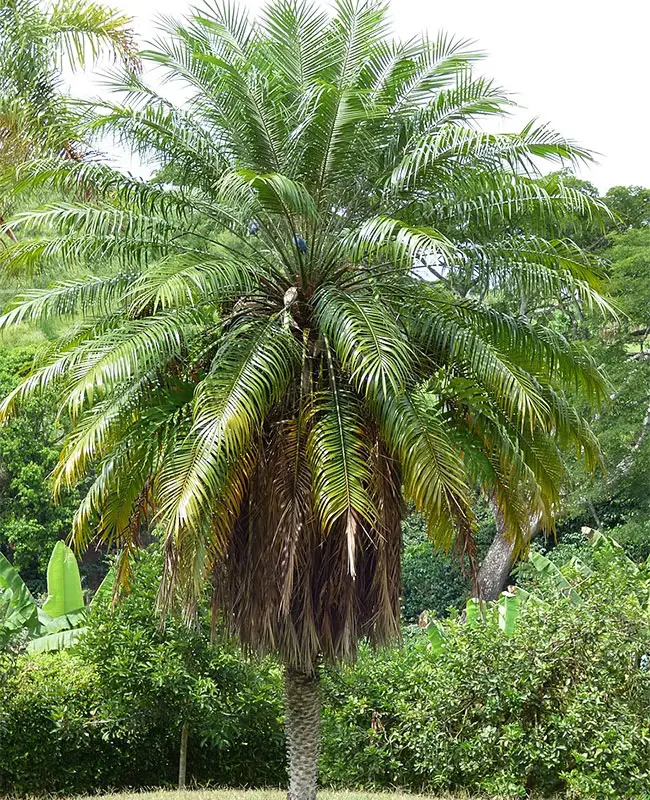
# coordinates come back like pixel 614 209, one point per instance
pixel 560 707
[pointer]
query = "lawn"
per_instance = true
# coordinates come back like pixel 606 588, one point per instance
pixel 267 794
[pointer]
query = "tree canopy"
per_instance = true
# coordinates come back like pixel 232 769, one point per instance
pixel 281 358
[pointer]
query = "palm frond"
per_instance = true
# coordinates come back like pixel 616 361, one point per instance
pixel 432 156
pixel 432 470
pixel 88 296
pixel 339 449
pixel 248 377
pixel 86 29
pixel 369 345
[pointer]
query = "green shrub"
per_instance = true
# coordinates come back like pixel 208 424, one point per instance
pixel 52 735
pixel 30 521
pixel 634 538
pixel 559 707
pixel 108 714
pixel 155 674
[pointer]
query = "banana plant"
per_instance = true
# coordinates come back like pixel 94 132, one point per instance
pixel 60 622
pixel 550 570
pixel 64 610
pixel 506 610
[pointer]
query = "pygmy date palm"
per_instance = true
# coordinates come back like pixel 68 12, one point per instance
pixel 280 361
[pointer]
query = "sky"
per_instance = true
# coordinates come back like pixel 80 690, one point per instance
pixel 581 65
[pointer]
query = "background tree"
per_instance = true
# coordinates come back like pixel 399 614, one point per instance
pixel 189 681
pixel 631 204
pixel 253 379
pixel 36 43
pixel 30 521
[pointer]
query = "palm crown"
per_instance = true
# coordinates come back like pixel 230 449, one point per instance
pixel 280 360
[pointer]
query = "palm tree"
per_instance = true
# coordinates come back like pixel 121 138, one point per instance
pixel 36 117
pixel 284 356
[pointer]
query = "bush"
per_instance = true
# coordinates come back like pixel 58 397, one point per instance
pixel 634 538
pixel 52 735
pixel 559 707
pixel 58 732
pixel 109 713
pixel 155 674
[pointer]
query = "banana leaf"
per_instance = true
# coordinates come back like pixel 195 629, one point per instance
pixel 55 641
pixel 509 608
pixel 64 592
pixel 105 588
pixel 75 619
pixel 546 567
pixel 437 637
pixel 18 609
pixel 472 611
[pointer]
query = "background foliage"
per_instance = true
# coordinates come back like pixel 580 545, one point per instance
pixel 30 521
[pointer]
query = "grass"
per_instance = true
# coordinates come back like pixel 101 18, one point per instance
pixel 268 794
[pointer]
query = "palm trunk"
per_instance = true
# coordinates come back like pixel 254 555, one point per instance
pixel 182 760
pixel 302 728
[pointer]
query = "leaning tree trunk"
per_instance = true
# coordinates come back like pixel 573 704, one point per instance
pixel 302 728
pixel 495 568
pixel 499 559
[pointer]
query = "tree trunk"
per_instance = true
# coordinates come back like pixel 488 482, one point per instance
pixel 495 568
pixel 7 230
pixel 302 728
pixel 182 759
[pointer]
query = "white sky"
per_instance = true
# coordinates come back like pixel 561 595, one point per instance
pixel 582 65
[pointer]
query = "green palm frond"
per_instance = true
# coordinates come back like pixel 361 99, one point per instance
pixel 432 469
pixel 339 450
pixel 189 281
pixel 387 238
pixel 431 66
pixel 368 343
pixel 521 201
pixel 161 132
pixel 296 41
pixel 248 376
pixel 448 322
pixel 89 296
pixel 434 155
pixel 122 356
pixel 38 40
pixel 83 30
